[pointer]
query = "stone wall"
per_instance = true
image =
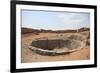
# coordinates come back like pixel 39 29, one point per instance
pixel 51 44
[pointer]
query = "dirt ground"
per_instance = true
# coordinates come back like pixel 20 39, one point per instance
pixel 28 56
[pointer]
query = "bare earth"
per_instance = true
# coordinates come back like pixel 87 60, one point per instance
pixel 28 56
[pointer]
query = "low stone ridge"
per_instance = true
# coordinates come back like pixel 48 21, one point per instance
pixel 25 30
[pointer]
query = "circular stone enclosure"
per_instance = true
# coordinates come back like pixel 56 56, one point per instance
pixel 47 46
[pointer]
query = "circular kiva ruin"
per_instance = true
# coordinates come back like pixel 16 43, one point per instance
pixel 53 47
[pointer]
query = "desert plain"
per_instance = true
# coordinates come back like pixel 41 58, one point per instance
pixel 29 56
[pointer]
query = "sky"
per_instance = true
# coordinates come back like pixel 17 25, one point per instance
pixel 50 20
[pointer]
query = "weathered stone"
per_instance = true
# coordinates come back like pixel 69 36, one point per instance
pixel 46 47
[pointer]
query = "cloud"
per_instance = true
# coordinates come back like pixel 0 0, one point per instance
pixel 74 20
pixel 61 16
pixel 70 18
pixel 71 21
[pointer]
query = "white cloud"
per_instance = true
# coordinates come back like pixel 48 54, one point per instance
pixel 61 15
pixel 74 20
pixel 71 21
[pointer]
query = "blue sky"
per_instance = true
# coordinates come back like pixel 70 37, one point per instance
pixel 54 20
